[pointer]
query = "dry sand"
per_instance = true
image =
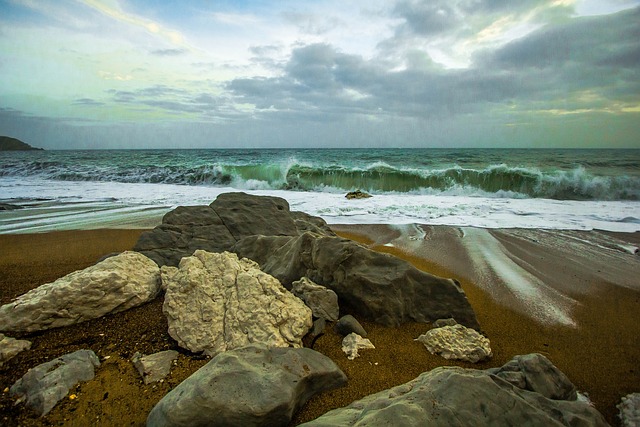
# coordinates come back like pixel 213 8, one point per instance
pixel 600 354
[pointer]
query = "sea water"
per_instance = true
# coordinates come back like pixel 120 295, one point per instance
pixel 491 188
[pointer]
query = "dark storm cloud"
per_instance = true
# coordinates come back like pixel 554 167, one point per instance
pixel 431 18
pixel 428 17
pixel 600 54
pixel 592 53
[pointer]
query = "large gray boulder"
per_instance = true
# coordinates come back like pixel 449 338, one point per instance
pixel 457 343
pixel 217 227
pixel 291 245
pixel 43 386
pixel 116 284
pixel 216 302
pixel 250 386
pixel 373 285
pixel 453 396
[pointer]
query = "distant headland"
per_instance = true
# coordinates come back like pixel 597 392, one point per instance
pixel 12 144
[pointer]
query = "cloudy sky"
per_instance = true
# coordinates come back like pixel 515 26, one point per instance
pixel 324 73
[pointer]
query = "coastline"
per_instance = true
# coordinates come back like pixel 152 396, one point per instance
pixel 599 353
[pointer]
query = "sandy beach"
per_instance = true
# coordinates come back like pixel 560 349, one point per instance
pixel 575 299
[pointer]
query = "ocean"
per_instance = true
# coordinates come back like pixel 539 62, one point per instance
pixel 491 188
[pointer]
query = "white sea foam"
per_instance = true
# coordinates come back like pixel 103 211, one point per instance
pixel 483 212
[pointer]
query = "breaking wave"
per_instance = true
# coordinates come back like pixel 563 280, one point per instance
pixel 497 180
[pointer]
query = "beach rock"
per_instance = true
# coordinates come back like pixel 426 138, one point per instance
pixel 291 245
pixel 217 227
pixel 457 342
pixel 448 396
pixel 250 386
pixel 215 302
pixel 354 342
pixel 349 324
pixel 357 195
pixel 46 384
pixel 536 373
pixel 629 408
pixel 319 326
pixel 376 286
pixel 245 215
pixel 183 230
pixel 154 367
pixel 444 322
pixel 323 302
pixel 11 347
pixel 113 285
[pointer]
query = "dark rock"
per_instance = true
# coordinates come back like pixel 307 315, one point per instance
pixel 537 374
pixel 245 215
pixel 217 227
pixel 348 324
pixel 251 386
pixel 43 386
pixel 444 322
pixel 323 302
pixel 292 245
pixel 357 195
pixel 449 396
pixel 317 330
pixel 376 286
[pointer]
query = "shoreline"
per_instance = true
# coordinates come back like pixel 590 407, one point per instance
pixel 599 355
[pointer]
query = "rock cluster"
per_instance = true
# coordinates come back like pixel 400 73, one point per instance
pixel 292 245
pixel 240 312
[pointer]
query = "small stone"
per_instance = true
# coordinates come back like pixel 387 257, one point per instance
pixel 358 194
pixel 348 324
pixel 354 342
pixel 457 342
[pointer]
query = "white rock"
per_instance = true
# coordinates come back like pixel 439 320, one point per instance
pixel 457 342
pixel 354 342
pixel 116 284
pixel 629 409
pixel 217 302
pixel 10 347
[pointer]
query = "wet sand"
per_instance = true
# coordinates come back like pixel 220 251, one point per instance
pixel 598 351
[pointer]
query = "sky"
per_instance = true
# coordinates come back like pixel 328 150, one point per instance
pixel 95 74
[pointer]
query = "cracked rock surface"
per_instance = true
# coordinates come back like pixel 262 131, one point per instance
pixel 216 302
